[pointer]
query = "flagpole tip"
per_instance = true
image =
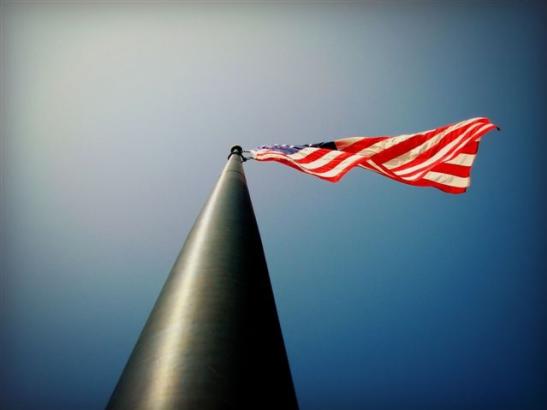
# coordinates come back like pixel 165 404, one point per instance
pixel 237 150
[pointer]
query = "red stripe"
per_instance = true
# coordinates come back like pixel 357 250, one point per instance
pixel 456 170
pixel 333 162
pixel 471 148
pixel 315 155
pixel 442 187
pixel 361 144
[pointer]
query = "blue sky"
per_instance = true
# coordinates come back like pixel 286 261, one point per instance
pixel 117 120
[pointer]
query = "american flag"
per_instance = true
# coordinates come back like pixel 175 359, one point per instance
pixel 440 158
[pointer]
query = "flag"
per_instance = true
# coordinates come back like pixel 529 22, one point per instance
pixel 440 158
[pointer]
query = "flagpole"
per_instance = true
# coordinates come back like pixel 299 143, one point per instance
pixel 213 339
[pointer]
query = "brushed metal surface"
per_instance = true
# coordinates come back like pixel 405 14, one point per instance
pixel 213 340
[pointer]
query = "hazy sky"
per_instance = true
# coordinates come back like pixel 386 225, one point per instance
pixel 116 121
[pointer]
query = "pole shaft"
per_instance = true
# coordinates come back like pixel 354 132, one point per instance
pixel 213 339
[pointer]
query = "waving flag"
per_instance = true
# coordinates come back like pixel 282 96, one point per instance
pixel 441 158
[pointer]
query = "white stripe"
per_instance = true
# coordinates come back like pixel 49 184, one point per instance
pixel 325 159
pixel 465 160
pixel 443 152
pixel 383 145
pixel 413 153
pixel 340 167
pixel 447 179
pixel 303 153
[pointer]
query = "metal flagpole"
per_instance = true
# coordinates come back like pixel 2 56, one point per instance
pixel 213 339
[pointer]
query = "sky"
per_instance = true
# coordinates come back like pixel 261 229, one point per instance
pixel 116 121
